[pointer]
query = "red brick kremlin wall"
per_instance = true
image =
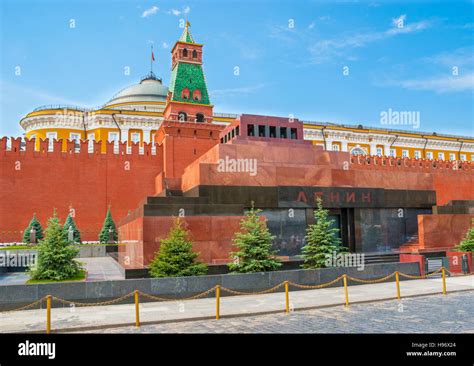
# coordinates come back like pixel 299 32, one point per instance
pixel 39 181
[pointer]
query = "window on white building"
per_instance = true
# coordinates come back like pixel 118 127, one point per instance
pixel 51 136
pixel 379 151
pixel 429 155
pixel 393 152
pixel 452 156
pixel 335 147
pixel 463 157
pixel 440 156
pixel 405 154
pixel 417 154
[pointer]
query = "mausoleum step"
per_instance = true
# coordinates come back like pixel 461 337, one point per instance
pixel 381 258
pixel 199 209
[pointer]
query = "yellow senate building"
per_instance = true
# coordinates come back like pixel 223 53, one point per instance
pixel 132 115
pixel 135 113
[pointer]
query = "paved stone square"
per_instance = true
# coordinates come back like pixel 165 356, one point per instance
pixel 428 314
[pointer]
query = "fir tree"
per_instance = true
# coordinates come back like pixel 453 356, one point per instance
pixel 467 244
pixel 255 246
pixel 176 257
pixel 76 233
pixel 34 223
pixel 55 260
pixel 321 239
pixel 108 224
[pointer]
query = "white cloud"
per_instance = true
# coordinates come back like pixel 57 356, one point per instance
pixel 184 10
pixel 439 84
pixel 150 11
pixel 231 92
pixel 463 56
pixel 165 45
pixel 324 50
pixel 7 88
pixel 311 25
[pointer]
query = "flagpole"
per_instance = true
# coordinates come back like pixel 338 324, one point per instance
pixel 151 60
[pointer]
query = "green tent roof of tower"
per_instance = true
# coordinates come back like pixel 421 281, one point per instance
pixel 188 75
pixel 191 76
pixel 186 36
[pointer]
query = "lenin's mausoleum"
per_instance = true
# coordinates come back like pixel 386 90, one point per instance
pixel 153 152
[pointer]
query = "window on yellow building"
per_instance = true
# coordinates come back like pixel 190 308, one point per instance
pixel 440 156
pixel 429 155
pixel 452 156
pixel 405 154
pixel 51 136
pixel 135 137
pixel 463 157
pixel 417 154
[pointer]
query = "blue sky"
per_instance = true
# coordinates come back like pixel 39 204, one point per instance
pixel 291 56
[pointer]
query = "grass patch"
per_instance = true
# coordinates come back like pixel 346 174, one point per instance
pixel 80 277
pixel 17 247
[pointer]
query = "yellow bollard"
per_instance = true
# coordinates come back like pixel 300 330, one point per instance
pixel 345 290
pixel 287 298
pixel 218 301
pixel 137 310
pixel 443 271
pixel 397 279
pixel 48 314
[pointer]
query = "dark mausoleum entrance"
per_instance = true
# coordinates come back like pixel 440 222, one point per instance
pixel 370 220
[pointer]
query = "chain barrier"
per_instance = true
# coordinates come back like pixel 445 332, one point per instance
pixel 103 303
pixel 423 276
pixel 225 289
pixel 371 281
pixel 235 292
pixel 158 298
pixel 316 286
pixel 26 307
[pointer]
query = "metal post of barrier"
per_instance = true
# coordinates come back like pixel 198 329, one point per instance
pixel 218 301
pixel 137 310
pixel 397 279
pixel 287 298
pixel 346 292
pixel 443 271
pixel 48 314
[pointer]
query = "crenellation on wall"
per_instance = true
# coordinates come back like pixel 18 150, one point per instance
pixel 376 162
